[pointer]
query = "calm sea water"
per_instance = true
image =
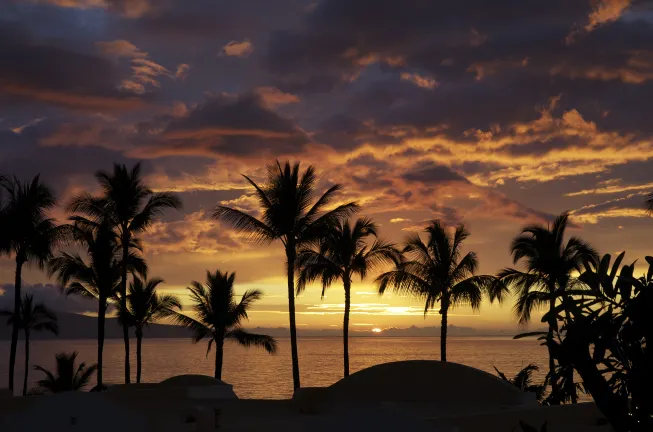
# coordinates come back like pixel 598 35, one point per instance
pixel 256 374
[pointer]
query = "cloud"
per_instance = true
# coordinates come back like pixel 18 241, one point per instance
pixel 273 97
pixel 238 49
pixel 399 220
pixel 127 8
pixel 52 75
pixel 230 125
pixel 195 233
pixel 612 189
pixel 419 80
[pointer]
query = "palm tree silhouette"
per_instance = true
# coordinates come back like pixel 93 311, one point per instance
pixel 288 215
pixel 98 276
pixel 68 376
pixel 649 203
pixel 28 234
pixel 435 272
pixel 145 306
pixel 131 207
pixel 342 254
pixel 523 380
pixel 32 317
pixel 549 266
pixel 219 316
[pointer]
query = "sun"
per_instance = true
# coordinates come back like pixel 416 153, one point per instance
pixel 376 330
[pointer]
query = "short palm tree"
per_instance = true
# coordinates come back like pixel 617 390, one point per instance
pixel 523 380
pixel 219 316
pixel 28 234
pixel 32 318
pixel 342 254
pixel 435 272
pixel 131 208
pixel 67 377
pixel 145 306
pixel 96 276
pixel 549 269
pixel 289 213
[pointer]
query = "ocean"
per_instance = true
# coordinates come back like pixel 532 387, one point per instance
pixel 256 374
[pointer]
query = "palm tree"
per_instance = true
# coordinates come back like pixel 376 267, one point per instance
pixel 145 306
pixel 649 203
pixel 549 266
pixel 523 380
pixel 289 214
pixel 69 377
pixel 32 317
pixel 219 316
pixel 28 234
pixel 131 207
pixel 340 255
pixel 98 275
pixel 435 272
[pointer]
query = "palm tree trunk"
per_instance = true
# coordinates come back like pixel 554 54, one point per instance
pixel 102 309
pixel 552 365
pixel 123 302
pixel 345 325
pixel 14 329
pixel 26 362
pixel 139 358
pixel 290 255
pixel 219 351
pixel 443 329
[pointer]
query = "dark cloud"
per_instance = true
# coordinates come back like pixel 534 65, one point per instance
pixel 37 71
pixel 432 173
pixel 231 125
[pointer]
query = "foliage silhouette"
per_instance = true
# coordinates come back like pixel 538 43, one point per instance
pixel 67 377
pixel 32 318
pixel 29 234
pixel 98 275
pixel 131 208
pixel 603 336
pixel 289 213
pixel 523 380
pixel 144 307
pixel 549 267
pixel 219 316
pixel 435 272
pixel 340 255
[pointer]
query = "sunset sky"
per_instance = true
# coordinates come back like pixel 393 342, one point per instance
pixel 492 113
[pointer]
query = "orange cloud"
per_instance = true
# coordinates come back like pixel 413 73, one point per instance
pixel 238 49
pixel 419 80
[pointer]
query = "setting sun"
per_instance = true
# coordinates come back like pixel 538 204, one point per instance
pixel 376 330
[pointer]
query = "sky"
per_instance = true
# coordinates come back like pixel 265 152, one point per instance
pixel 496 114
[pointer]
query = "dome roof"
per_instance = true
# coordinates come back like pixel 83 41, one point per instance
pixel 433 382
pixel 191 381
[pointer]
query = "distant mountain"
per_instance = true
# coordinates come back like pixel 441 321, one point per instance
pixel 75 326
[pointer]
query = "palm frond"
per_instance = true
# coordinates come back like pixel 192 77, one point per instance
pixel 250 339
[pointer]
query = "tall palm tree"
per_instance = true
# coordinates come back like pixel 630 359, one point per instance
pixel 28 234
pixel 435 272
pixel 290 214
pixel 549 268
pixel 342 254
pixel 219 316
pixel 131 207
pixel 98 275
pixel 145 306
pixel 32 318
pixel 68 376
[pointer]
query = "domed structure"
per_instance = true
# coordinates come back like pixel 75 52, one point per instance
pixel 447 387
pixel 191 380
pixel 199 387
